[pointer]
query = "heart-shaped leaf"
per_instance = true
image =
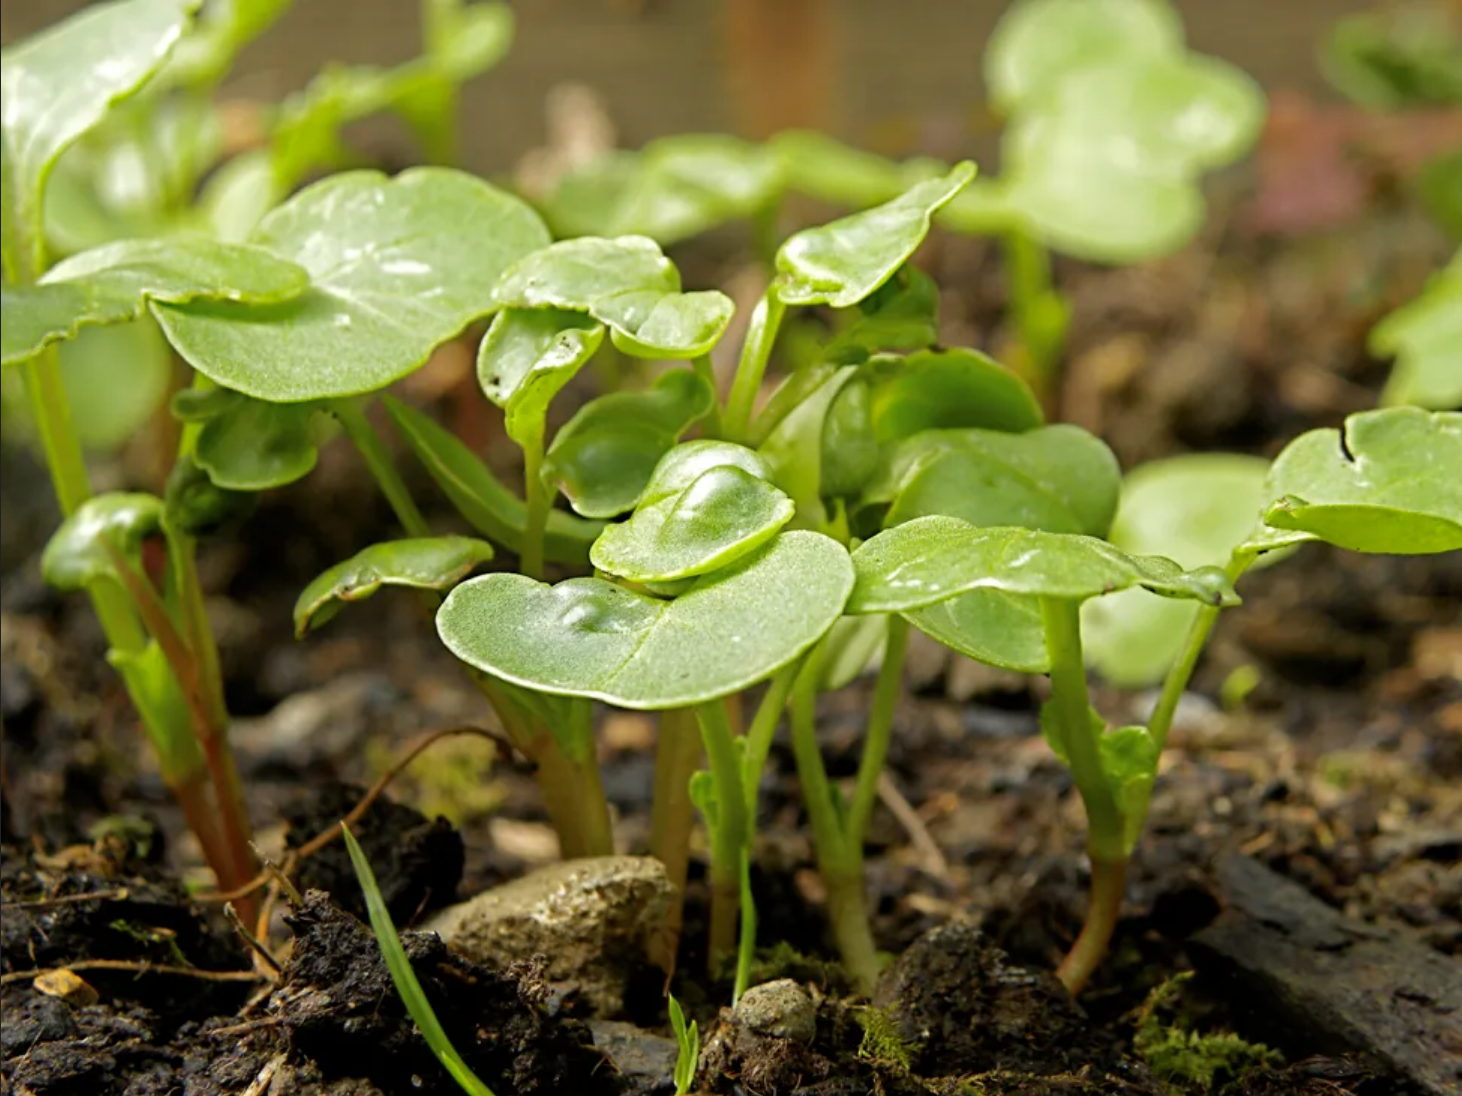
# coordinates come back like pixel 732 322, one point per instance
pixel 60 83
pixel 942 389
pixel 840 263
pixel 398 266
pixel 1389 484
pixel 81 551
pixel 625 283
pixel 707 504
pixel 115 283
pixel 1039 43
pixel 246 444
pixel 927 560
pixel 479 497
pixel 423 563
pixel 1192 509
pixel 603 457
pixel 527 356
pixel 1423 336
pixel 587 637
pixel 1058 478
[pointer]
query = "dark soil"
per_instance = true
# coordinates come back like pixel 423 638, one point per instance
pixel 1340 771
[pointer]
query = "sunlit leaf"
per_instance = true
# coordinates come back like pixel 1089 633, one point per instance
pixel 423 563
pixel 115 283
pixel 587 637
pixel 398 266
pixel 707 504
pixel 927 560
pixel 603 457
pixel 80 553
pixel 844 261
pixel 1389 484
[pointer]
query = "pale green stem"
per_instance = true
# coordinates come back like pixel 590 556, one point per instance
pixel 761 733
pixel 677 757
pixel 729 832
pixel 536 501
pixel 756 352
pixel 746 944
pixel 378 459
pixel 880 731
pixel 711 424
pixel 1028 267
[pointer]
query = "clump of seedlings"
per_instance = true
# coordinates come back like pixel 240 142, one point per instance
pixel 716 542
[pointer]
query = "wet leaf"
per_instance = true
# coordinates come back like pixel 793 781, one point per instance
pixel 587 637
pixel 707 504
pixel 842 262
pixel 422 563
pixel 1389 485
pixel 115 283
pixel 527 356
pixel 479 497
pixel 927 560
pixel 1058 478
pixel 1039 43
pixel 625 283
pixel 1424 336
pixel 603 457
pixel 1192 509
pixel 398 266
pixel 60 83
pixel 941 389
pixel 80 552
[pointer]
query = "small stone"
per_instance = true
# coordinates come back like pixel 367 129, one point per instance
pixel 589 920
pixel 68 986
pixel 781 1009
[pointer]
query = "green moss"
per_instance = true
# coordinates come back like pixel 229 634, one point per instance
pixel 882 1046
pixel 1197 1063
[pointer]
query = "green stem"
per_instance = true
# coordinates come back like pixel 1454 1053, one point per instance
pixel 1079 738
pixel 1176 682
pixel 378 459
pixel 729 833
pixel 1108 882
pixel 51 412
pixel 595 824
pixel 677 757
pixel 761 733
pixel 756 352
pixel 536 500
pixel 1028 267
pixel 840 864
pixel 711 424
pixel 880 730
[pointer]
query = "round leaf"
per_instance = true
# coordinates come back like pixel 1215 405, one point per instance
pixel 527 356
pixel 997 629
pixel 930 559
pixel 941 389
pixel 604 456
pixel 246 444
pixel 587 637
pixel 1390 485
pixel 842 262
pixel 81 551
pixel 424 563
pixel 1039 43
pixel 114 283
pixel 398 266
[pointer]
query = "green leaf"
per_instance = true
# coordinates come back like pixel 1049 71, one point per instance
pixel 80 552
pixel 794 449
pixel 1396 56
pixel 902 314
pixel 707 504
pixel 196 506
pixel 995 628
pixel 841 263
pixel 1438 186
pixel 246 444
pixel 604 456
pixel 850 451
pixel 927 560
pixel 422 563
pixel 115 283
pixel 398 266
pixel 625 283
pixel 407 985
pixel 587 637
pixel 60 83
pixel 942 389
pixel 527 356
pixel 672 189
pixel 1389 485
pixel 849 648
pixel 1128 757
pixel 1192 509
pixel 480 498
pixel 688 1042
pixel 111 404
pixel 153 689
pixel 1039 43
pixel 1423 336
pixel 1057 478
pixel 816 164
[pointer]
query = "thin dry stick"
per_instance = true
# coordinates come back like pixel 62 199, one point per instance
pixel 117 894
pixel 919 835
pixel 325 837
pixel 135 968
pixel 232 916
